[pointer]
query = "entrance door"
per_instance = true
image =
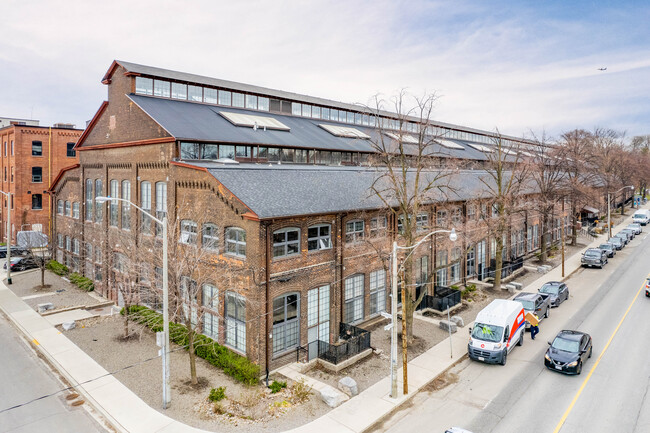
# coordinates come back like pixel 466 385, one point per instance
pixel 318 318
pixel 480 259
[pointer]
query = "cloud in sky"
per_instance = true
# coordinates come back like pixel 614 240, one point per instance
pixel 518 66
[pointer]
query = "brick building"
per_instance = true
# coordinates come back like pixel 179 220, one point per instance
pixel 30 158
pixel 273 188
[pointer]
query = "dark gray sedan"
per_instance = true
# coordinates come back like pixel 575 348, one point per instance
pixel 558 291
pixel 608 248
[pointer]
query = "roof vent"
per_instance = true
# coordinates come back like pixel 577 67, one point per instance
pixel 227 161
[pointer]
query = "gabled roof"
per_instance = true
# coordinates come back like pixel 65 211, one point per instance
pixel 276 191
pixel 60 176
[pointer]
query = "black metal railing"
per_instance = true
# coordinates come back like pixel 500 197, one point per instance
pixel 442 298
pixel 353 340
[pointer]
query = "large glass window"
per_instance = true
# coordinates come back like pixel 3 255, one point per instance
pixel 145 204
pixel 238 100
pixel 353 309
pixel 37 174
pixel 470 268
pixel 210 302
pixel 89 199
pixel 210 95
pixel 236 241
pixel 190 150
pixel 161 88
pixel 195 93
pixel 210 151
pixel 179 91
pixel 227 152
pixel 377 291
pixel 454 270
pixel 286 324
pixel 263 103
pixel 286 242
pixel 126 205
pixel 113 206
pixel 319 237
pixel 188 232
pixel 37 148
pixel 225 97
pixel 144 86
pixel 236 321
pixel 251 102
pixel 99 207
pixel 210 236
pixel 354 231
pixel 441 266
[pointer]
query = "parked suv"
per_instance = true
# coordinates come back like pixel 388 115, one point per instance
pixel 594 257
pixel 608 248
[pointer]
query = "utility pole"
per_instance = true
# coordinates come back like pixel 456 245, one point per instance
pixel 393 331
pixel 404 345
pixel 563 235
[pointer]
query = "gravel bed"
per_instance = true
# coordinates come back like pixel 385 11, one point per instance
pixel 66 294
pixel 101 338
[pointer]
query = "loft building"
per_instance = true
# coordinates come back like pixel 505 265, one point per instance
pixel 274 188
pixel 31 156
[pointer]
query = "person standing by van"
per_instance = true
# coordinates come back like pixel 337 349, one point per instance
pixel 534 330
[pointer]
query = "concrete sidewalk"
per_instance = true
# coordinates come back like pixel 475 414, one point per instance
pixel 128 413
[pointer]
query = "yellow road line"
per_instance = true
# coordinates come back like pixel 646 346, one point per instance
pixel 584 383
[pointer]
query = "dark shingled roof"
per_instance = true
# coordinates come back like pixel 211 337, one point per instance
pixel 273 191
pixel 193 121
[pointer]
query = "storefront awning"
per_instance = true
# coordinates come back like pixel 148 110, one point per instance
pixel 590 209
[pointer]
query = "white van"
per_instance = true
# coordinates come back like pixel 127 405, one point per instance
pixel 496 330
pixel 642 216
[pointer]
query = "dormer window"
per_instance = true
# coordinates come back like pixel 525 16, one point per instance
pixel 255 122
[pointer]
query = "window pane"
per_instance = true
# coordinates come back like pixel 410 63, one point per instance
pixel 251 101
pixel 179 91
pixel 195 93
pixel 144 86
pixel 263 103
pixel 161 88
pixel 238 100
pixel 210 95
pixel 189 150
pixel 227 152
pixel 210 151
pixel 224 97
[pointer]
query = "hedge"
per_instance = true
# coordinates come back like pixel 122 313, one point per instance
pixel 58 268
pixel 234 365
pixel 82 282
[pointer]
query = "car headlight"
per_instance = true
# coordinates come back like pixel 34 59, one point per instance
pixel 548 358
pixel 497 346
pixel 572 364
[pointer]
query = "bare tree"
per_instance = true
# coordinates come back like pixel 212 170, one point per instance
pixel 547 173
pixel 38 248
pixel 504 180
pixel 411 174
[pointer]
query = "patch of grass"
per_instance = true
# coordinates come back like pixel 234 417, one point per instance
pixel 217 394
pixel 277 386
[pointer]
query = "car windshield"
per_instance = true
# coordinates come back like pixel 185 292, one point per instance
pixel 605 247
pixel 592 254
pixel 552 289
pixel 614 240
pixel 486 332
pixel 528 305
pixel 566 345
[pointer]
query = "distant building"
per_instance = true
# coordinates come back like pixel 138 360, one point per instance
pixel 6 121
pixel 30 158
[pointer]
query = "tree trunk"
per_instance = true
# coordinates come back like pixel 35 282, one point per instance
pixel 574 220
pixel 498 262
pixel 190 340
pixel 43 275
pixel 543 253
pixel 126 320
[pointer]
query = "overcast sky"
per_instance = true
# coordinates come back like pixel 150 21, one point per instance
pixel 519 66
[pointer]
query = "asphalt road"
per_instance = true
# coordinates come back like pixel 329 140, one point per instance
pixel 525 396
pixel 24 377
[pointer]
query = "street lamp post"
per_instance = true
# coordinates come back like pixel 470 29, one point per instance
pixel 165 355
pixel 393 335
pixel 8 195
pixel 609 222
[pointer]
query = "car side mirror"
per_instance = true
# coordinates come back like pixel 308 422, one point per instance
pixel 549 343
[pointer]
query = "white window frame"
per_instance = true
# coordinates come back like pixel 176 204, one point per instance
pixel 234 245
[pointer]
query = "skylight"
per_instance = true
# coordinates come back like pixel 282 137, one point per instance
pixel 481 147
pixel 252 121
pixel 344 131
pixel 404 138
pixel 449 144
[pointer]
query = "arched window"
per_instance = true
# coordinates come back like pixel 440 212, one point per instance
pixel 113 204
pixel 99 207
pixel 145 204
pixel 236 241
pixel 286 323
pixel 319 237
pixel 126 205
pixel 286 242
pixel 210 236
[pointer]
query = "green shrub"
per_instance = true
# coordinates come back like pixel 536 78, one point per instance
pixel 277 386
pixel 58 268
pixel 217 394
pixel 467 290
pixel 234 365
pixel 82 282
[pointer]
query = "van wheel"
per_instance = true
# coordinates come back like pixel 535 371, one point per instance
pixel 521 340
pixel 505 356
pixel 547 312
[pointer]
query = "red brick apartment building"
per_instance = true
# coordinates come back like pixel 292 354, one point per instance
pixel 30 158
pixel 278 190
